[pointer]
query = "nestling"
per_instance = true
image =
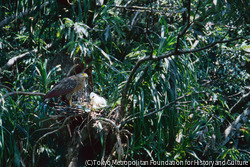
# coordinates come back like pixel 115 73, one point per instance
pixel 97 101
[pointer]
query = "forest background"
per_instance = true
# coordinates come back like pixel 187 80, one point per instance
pixel 176 72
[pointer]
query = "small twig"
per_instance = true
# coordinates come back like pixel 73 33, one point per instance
pixel 16 58
pixel 42 129
pixel 197 8
pixel 71 69
pixel 147 31
pixel 133 21
pixel 233 95
pixel 185 29
pixel 153 32
pixel 6 87
pixel 189 11
pixel 151 45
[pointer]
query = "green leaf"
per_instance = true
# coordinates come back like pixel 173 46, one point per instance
pixel 246 48
pixel 103 53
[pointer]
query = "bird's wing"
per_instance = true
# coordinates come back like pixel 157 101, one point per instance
pixel 64 87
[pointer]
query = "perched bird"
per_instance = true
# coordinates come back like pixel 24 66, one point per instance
pixel 97 101
pixel 68 86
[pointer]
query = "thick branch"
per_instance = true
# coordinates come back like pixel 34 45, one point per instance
pixel 149 58
pixel 16 58
pixel 13 60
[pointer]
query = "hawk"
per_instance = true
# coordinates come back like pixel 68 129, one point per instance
pixel 68 86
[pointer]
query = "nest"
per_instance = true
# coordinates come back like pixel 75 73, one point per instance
pixel 94 134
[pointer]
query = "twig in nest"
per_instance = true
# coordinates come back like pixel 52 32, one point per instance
pixel 109 121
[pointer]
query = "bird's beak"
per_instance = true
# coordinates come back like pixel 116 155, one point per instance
pixel 85 75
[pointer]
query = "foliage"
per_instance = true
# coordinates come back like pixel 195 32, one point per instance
pixel 176 106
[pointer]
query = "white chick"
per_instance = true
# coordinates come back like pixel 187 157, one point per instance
pixel 97 101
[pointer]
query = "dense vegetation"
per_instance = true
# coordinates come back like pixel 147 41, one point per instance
pixel 177 70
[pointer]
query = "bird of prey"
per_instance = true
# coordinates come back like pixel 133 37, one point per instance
pixel 68 86
pixel 97 101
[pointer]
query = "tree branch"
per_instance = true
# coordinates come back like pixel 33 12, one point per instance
pixel 13 60
pixel 162 108
pixel 189 11
pixel 210 45
pixel 21 93
pixel 6 87
pixel 147 31
pixel 235 125
pixel 241 103
pixel 149 58
pixel 185 29
pixel 164 9
pixel 109 121
pixel 125 89
pixel 16 58
pixel 180 35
